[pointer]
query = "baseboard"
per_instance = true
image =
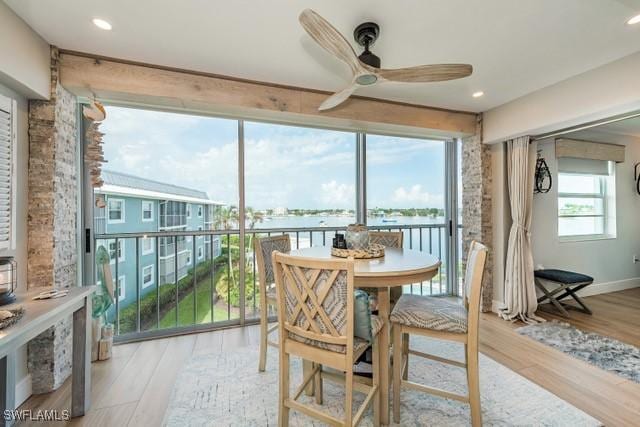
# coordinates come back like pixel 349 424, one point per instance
pixel 23 390
pixel 607 287
pixel 595 289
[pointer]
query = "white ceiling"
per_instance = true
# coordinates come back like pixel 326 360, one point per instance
pixel 629 127
pixel 516 47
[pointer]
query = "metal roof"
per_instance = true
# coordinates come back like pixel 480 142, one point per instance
pixel 135 182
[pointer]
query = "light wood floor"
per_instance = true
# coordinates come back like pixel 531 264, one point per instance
pixel 133 387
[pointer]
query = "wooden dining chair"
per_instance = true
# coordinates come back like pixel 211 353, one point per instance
pixel 263 249
pixel 389 239
pixel 316 323
pixel 445 320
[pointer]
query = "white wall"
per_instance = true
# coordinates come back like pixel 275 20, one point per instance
pixel 24 56
pixel 20 253
pixel 608 261
pixel 600 93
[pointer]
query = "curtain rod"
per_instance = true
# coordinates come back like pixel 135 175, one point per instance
pixel 586 126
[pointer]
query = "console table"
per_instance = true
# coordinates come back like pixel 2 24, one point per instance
pixel 39 316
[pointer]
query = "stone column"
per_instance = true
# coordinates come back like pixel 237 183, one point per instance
pixel 476 204
pixel 51 222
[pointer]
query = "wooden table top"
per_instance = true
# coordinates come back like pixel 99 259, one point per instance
pixel 397 267
pixel 37 312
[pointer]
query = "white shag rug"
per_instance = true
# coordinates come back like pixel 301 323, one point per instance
pixel 226 389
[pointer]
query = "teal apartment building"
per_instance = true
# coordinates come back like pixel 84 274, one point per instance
pixel 128 204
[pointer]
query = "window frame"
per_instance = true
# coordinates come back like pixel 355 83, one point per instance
pixel 188 210
pixel 603 195
pixel 200 251
pixel 121 249
pixel 147 251
pixel 122 219
pixel 122 288
pixel 148 203
pixel 152 281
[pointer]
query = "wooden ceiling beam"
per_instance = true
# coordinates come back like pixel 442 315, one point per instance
pixel 125 82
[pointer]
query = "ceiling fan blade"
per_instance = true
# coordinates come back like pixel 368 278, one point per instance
pixel 329 38
pixel 427 73
pixel 338 98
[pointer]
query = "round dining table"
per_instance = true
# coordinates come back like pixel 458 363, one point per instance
pixel 397 267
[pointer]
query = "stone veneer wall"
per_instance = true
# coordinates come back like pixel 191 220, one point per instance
pixel 52 245
pixel 476 204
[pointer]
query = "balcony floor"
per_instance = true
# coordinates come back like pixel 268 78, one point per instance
pixel 134 386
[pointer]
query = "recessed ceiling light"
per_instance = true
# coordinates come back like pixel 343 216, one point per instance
pixel 634 20
pixel 102 24
pixel 478 94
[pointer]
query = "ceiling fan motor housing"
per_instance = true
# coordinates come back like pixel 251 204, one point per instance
pixel 365 35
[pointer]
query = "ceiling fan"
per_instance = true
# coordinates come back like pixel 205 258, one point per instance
pixel 365 68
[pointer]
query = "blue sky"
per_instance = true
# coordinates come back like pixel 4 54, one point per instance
pixel 293 167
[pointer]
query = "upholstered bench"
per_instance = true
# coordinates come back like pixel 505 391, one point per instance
pixel 563 281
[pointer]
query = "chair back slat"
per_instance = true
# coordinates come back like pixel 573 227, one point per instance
pixel 313 299
pixel 389 239
pixel 263 248
pixel 472 288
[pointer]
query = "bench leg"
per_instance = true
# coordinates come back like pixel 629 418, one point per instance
pixel 550 296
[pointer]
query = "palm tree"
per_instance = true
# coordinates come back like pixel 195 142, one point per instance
pixel 226 218
pixel 252 217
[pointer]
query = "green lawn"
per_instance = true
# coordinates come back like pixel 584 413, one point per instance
pixel 203 307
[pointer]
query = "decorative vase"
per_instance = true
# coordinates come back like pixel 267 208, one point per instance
pixel 357 237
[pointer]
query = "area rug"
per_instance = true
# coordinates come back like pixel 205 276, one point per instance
pixel 601 351
pixel 225 389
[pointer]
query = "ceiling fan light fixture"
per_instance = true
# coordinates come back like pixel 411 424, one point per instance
pixel 102 24
pixel 634 20
pixel 366 79
pixel 478 94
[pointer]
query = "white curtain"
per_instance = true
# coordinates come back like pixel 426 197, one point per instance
pixel 519 289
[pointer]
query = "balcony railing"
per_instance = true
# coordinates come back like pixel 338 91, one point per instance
pixel 208 296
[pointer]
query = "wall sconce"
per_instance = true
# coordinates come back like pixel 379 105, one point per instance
pixel 8 280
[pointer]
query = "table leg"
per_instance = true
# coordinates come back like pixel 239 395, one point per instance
pixel 383 312
pixel 81 364
pixel 7 387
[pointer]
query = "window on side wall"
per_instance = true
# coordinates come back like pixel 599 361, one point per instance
pixel 147 211
pixel 147 276
pixel 116 211
pixel 147 245
pixel 199 211
pixel 122 290
pixel 586 199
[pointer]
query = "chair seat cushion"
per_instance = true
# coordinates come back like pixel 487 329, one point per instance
pixel 358 343
pixel 562 276
pixel 431 313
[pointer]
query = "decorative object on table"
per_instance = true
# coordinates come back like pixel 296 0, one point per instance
pixel 52 294
pixel 357 236
pixel 543 180
pixel 604 352
pixel 10 317
pixel 205 393
pixel 102 300
pixel 339 241
pixel 8 279
pixel 563 281
pixel 373 251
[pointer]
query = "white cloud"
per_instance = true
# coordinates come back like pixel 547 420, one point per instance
pixel 338 195
pixel 415 197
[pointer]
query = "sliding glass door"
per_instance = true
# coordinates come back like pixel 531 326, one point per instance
pixel 186 196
